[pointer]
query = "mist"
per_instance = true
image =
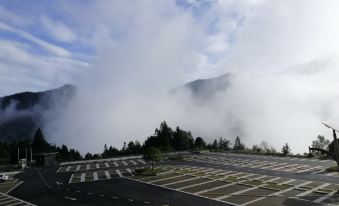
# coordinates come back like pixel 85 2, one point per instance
pixel 282 58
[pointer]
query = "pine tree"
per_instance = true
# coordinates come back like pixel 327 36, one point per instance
pixel 39 143
pixel 238 145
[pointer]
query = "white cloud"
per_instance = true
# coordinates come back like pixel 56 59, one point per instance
pixel 58 30
pixel 52 49
pixel 283 54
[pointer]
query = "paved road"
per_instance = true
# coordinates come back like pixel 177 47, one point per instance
pixel 40 187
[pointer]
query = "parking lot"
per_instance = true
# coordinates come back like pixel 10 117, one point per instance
pixel 239 188
pixel 268 164
pixel 11 201
pixel 9 185
pixel 101 165
pixel 100 175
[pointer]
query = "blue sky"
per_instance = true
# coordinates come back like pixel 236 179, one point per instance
pixel 57 40
pixel 283 55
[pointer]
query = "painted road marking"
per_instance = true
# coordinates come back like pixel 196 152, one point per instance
pixel 125 163
pixel 7 197
pixel 68 168
pixel 108 176
pixel 119 173
pixel 87 167
pixel 70 198
pixel 82 178
pixel 97 166
pixel 95 176
pixel 325 197
pixel 133 162
pixel 129 171
pixel 78 168
pixel 142 161
pixel 116 164
pixel 279 192
pixel 246 190
pixel 312 190
pixel 106 164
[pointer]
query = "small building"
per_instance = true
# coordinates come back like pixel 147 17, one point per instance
pixel 44 158
pixel 22 163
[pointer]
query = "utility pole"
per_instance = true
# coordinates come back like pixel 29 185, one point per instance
pixel 18 155
pixel 31 154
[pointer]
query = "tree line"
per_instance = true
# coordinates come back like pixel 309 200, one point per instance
pixel 9 152
pixel 164 138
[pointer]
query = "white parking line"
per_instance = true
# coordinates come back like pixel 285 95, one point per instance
pixel 312 190
pixel 125 163
pixel 278 193
pixel 246 190
pixel 97 166
pixel 87 167
pixel 119 173
pixel 308 169
pixel 231 183
pixel 95 176
pixel 70 179
pixel 317 172
pixel 129 171
pixel 142 161
pixel 325 197
pixel 68 168
pixel 108 176
pixel 78 168
pixel 14 198
pixel 116 164
pixel 133 162
pixel 82 178
pixel 286 182
pixel 106 164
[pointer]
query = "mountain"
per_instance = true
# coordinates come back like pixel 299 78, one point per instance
pixel 22 113
pixel 206 88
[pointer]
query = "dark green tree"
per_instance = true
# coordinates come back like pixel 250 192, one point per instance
pixel 238 145
pixel 152 154
pixel 286 149
pixel 224 144
pixel 199 143
pixel 182 140
pixel 215 144
pixel 165 136
pixel 39 143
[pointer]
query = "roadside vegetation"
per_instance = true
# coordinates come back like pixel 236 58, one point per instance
pixel 164 139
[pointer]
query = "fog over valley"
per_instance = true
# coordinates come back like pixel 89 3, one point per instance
pixel 261 70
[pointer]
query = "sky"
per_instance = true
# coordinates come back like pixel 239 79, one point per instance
pixel 125 55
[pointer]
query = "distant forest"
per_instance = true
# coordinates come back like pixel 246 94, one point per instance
pixel 164 138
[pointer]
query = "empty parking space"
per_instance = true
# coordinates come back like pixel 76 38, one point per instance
pixel 8 185
pixel 259 164
pixel 99 175
pixel 239 188
pixel 101 165
pixel 11 201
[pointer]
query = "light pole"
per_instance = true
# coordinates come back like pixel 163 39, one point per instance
pixel 336 147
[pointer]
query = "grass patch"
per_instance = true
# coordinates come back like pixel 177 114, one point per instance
pixel 231 179
pixel 332 169
pixel 277 186
pixel 149 171
pixel 253 182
